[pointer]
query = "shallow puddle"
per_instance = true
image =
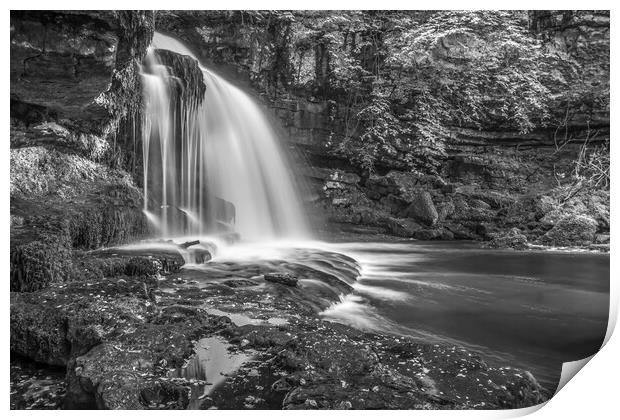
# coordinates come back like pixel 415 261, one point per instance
pixel 209 367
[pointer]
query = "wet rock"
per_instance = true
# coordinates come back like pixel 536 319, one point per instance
pixel 187 76
pixel 234 283
pixel 286 279
pixel 200 256
pixel 144 261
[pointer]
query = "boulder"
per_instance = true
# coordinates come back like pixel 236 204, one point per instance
pixel 422 209
pixel 471 210
pixel 571 230
pixel 513 238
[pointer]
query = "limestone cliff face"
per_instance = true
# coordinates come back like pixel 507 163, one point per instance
pixel 491 179
pixel 75 101
pixel 78 65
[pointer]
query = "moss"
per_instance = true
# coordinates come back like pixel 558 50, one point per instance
pixel 113 217
pixel 106 226
pixel 37 264
pixel 98 268
pixel 142 267
pixel 39 171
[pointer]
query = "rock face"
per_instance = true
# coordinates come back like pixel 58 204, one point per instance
pixel 69 57
pixel 67 61
pixel 187 76
pixel 75 98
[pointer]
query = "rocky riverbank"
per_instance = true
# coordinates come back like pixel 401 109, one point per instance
pixel 220 335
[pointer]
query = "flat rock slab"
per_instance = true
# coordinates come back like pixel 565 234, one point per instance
pixel 282 278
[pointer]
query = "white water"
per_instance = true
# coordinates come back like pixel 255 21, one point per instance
pixel 221 148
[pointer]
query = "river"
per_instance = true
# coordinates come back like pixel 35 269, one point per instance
pixel 529 309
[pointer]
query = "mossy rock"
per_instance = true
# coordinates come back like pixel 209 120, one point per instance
pixel 106 225
pixel 511 239
pixel 571 230
pixel 142 267
pixel 37 264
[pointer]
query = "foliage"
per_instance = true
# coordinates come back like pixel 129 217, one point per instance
pixel 401 81
pixel 480 69
pixel 407 77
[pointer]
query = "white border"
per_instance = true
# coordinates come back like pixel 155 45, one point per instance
pixel 592 394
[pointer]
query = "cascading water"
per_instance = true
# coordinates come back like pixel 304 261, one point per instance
pixel 201 155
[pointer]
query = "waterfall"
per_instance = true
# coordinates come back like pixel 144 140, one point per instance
pixel 213 163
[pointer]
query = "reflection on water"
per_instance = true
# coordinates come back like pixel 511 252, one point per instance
pixel 209 366
pixel 534 310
